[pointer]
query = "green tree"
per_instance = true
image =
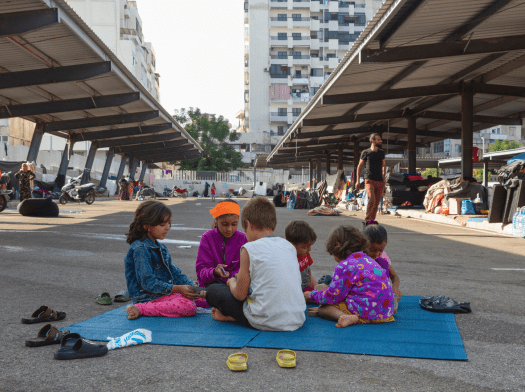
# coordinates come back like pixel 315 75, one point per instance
pixel 431 172
pixel 502 145
pixel 213 135
pixel 477 174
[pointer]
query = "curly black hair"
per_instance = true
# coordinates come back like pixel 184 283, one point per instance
pixel 345 240
pixel 151 213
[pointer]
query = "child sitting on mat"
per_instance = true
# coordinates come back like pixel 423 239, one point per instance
pixel 301 235
pixel 377 239
pixel 155 285
pixel 219 251
pixel 269 268
pixel 360 291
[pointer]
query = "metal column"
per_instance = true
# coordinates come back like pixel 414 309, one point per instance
pixel 64 163
pixel 340 158
pixel 328 154
pixel 485 173
pixel 107 166
pixel 412 132
pixel 32 154
pixel 120 173
pixel 467 114
pixel 356 160
pixel 143 171
pixel 318 170
pixel 89 163
pixel 311 173
pixel 133 168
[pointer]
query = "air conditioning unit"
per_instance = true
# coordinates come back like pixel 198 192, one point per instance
pixel 267 70
pixel 305 67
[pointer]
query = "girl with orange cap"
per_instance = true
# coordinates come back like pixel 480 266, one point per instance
pixel 219 254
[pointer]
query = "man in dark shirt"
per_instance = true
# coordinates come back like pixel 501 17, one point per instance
pixel 279 200
pixel 373 160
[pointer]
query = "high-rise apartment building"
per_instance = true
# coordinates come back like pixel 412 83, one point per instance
pixel 291 48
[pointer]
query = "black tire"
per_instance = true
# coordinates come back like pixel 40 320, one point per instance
pixel 63 199
pixel 185 195
pixel 3 203
pixel 90 198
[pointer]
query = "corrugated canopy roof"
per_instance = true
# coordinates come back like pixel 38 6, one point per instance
pixel 416 58
pixel 55 71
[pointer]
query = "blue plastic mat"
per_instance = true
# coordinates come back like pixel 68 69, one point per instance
pixel 200 331
pixel 416 333
pixel 478 220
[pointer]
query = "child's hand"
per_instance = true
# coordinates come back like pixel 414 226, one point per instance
pixel 397 292
pixel 307 295
pixel 186 291
pixel 231 280
pixel 220 272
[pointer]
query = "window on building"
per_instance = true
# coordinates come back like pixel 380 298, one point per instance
pixel 427 150
pixel 281 17
pixel 296 16
pixel 512 131
pixel 138 27
pixel 281 111
pixel 297 73
pixel 316 72
pixel 280 130
pixel 330 55
pixel 279 71
pixel 282 55
pixel 438 147
pixel 296 36
pixel 360 19
pixel 282 36
pixel 4 139
pixel 314 35
pixel 458 148
pixel 314 90
pixel 296 55
pixel 296 112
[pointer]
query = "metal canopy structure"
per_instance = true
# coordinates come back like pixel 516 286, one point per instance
pixel 422 71
pixel 55 71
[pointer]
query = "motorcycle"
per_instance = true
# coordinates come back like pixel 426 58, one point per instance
pixel 73 191
pixel 4 198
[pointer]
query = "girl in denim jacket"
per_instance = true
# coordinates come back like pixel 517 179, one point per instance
pixel 156 286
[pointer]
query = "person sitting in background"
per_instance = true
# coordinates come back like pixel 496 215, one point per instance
pixel 279 200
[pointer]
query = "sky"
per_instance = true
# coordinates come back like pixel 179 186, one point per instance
pixel 199 49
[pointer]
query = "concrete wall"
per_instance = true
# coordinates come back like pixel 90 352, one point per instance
pixel 196 185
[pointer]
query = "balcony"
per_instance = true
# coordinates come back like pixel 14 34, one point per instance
pixel 298 41
pixel 344 46
pixel 279 79
pixel 318 62
pixel 278 41
pixel 283 60
pixel 315 25
pixel 314 43
pixel 301 4
pixel 333 6
pixel 303 79
pixel 300 60
pixel 278 4
pixel 333 62
pixel 278 117
pixel 333 44
pixel 278 22
pixel 301 22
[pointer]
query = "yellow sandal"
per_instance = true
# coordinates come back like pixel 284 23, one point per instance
pixel 237 362
pixel 286 358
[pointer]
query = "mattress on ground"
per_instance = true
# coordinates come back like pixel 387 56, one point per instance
pixel 416 333
pixel 497 204
pixel 518 200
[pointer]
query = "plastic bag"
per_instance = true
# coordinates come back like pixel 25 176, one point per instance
pixel 467 208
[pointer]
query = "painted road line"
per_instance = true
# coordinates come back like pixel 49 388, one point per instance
pixel 508 269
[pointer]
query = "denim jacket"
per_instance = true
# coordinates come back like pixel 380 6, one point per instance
pixel 150 274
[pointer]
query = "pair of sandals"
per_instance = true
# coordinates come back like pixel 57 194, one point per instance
pixel 105 298
pixel 239 362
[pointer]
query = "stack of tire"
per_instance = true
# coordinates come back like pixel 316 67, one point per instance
pixel 399 189
pixel 45 208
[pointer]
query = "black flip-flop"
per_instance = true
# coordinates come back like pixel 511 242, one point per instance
pixel 44 314
pixel 46 336
pixel 73 346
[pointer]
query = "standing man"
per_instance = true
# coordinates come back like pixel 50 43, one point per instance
pixel 373 160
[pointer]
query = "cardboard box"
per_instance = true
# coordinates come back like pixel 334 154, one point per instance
pixel 454 205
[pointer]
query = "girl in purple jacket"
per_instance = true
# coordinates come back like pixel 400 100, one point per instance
pixel 219 253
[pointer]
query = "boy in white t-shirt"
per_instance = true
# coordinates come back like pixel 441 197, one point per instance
pixel 268 267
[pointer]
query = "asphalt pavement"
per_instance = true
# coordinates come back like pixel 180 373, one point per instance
pixel 65 262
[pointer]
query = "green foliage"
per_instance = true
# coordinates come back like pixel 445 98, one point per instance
pixel 431 172
pixel 478 174
pixel 502 145
pixel 212 134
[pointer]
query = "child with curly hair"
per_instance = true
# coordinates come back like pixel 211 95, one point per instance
pixel 156 286
pixel 360 291
pixel 301 235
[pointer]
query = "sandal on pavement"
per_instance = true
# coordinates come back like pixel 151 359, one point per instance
pixel 286 358
pixel 46 336
pixel 123 296
pixel 104 299
pixel 73 346
pixel 238 362
pixel 44 314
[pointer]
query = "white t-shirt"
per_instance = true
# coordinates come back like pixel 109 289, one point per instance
pixel 277 302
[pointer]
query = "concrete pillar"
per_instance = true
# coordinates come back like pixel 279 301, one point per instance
pixel 485 173
pixel 107 166
pixel 64 163
pixel 89 163
pixel 356 160
pixel 133 168
pixel 311 173
pixel 32 154
pixel 328 168
pixel 467 136
pixel 143 171
pixel 340 158
pixel 121 171
pixel 412 132
pixel 254 174
pixel 318 170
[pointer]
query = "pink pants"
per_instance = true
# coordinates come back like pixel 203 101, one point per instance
pixel 173 305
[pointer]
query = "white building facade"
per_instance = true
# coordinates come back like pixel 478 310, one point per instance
pixel 291 48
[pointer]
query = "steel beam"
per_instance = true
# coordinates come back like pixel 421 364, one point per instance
pixel 107 167
pixel 355 131
pixel 92 122
pixel 310 172
pixel 133 168
pixel 169 157
pixel 153 146
pixel 143 171
pixel 356 160
pixel 39 77
pixel 32 154
pixel 66 155
pixel 496 89
pixel 318 170
pixel 126 132
pixel 163 151
pixel 89 163
pixel 400 93
pixel 477 118
pixel 340 158
pixel 327 159
pixel 411 120
pixel 467 115
pixel 405 13
pixel 138 140
pixel 69 105
pixel 120 172
pixel 16 23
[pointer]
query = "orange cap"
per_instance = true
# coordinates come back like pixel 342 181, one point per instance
pixel 225 208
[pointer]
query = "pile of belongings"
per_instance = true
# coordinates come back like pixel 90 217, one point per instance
pixel 305 199
pixel 324 210
pixel 435 195
pixel 516 168
pixel 45 189
pixel 407 190
pixel 438 195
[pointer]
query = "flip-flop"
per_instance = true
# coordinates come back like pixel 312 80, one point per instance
pixel 104 299
pixel 46 336
pixel 123 296
pixel 44 314
pixel 238 362
pixel 286 358
pixel 75 347
pixel 313 312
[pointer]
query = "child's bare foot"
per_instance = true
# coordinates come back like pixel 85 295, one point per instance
pixel 346 319
pixel 133 312
pixel 218 316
